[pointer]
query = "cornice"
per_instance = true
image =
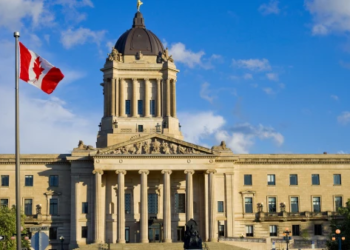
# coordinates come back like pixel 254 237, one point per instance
pixel 158 156
pixel 301 161
pixel 34 161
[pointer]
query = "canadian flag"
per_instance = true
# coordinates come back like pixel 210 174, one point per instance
pixel 37 71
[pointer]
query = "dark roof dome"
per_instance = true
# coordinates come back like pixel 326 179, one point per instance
pixel 139 39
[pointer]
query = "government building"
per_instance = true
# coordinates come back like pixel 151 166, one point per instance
pixel 142 181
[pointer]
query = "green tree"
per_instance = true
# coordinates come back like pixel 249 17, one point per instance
pixel 8 228
pixel 344 225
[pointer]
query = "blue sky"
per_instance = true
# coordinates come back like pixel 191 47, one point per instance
pixel 266 76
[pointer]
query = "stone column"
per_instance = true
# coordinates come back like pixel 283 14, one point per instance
pixel 112 95
pixel 189 194
pixel 116 97
pixel 98 211
pixel 144 206
pixel 104 98
pixel 159 95
pixel 173 98
pixel 122 98
pixel 167 113
pixel 147 99
pixel 206 207
pixel 74 211
pixel 166 206
pixel 212 206
pixel 121 205
pixel 108 95
pixel 134 100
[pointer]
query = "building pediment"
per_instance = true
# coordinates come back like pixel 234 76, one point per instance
pixel 154 144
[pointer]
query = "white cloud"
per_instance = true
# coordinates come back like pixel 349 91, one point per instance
pixel 70 38
pixel 270 8
pixel 341 152
pixel 205 92
pixel 344 118
pixel 247 76
pixel 75 3
pixel 187 57
pixel 252 64
pixel 272 77
pixel 335 97
pixel 71 75
pixel 329 16
pixel 268 91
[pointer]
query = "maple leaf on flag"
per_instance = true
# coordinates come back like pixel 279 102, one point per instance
pixel 37 68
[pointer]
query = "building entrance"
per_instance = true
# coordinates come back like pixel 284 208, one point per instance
pixel 155 231
pixel 180 234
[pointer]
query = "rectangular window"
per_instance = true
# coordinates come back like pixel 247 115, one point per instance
pixel 315 179
pixel 29 180
pixel 4 202
pixel 318 229
pixel 84 232
pixel 271 180
pixel 127 107
pixel 139 128
pixel 28 206
pixel 152 107
pixel 53 206
pixel 337 179
pixel 338 200
pixel 248 179
pixel 295 230
pixel 180 202
pixel 316 202
pixel 53 233
pixel 85 207
pixel 220 206
pixel 294 204
pixel 249 231
pixel 273 230
pixel 272 204
pixel 152 203
pixel 53 181
pixel 248 204
pixel 128 203
pixel 5 180
pixel 140 107
pixel 221 230
pixel 293 179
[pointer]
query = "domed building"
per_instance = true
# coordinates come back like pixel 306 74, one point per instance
pixel 142 182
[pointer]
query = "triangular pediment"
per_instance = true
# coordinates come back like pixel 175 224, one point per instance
pixel 154 144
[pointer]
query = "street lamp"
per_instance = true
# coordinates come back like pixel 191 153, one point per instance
pixel 338 237
pixel 286 236
pixel 61 239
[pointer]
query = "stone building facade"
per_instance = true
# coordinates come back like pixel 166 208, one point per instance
pixel 142 182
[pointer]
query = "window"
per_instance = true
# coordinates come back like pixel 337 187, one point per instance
pixel 180 203
pixel 293 179
pixel 28 206
pixel 295 230
pixel 127 203
pixel 4 202
pixel 5 180
pixel 29 180
pixel 318 229
pixel 85 207
pixel 152 107
pixel 337 179
pixel 273 230
pixel 139 128
pixel 53 206
pixel 248 204
pixel 271 180
pixel 338 200
pixel 220 206
pixel 84 232
pixel 53 233
pixel 294 204
pixel 140 107
pixel 316 201
pixel 153 203
pixel 127 107
pixel 272 204
pixel 249 231
pixel 248 179
pixel 315 179
pixel 222 230
pixel 53 181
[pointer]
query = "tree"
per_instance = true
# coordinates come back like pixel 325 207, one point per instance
pixel 8 228
pixel 344 225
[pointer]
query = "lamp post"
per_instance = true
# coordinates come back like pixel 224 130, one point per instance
pixel 338 237
pixel 286 234
pixel 62 240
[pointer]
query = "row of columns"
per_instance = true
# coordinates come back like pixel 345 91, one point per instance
pixel 114 98
pixel 210 223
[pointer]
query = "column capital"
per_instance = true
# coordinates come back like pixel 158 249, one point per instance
pixel 167 172
pixel 146 79
pixel 159 79
pixel 189 171
pixel 134 79
pixel 211 171
pixel 98 171
pixel 119 171
pixel 144 172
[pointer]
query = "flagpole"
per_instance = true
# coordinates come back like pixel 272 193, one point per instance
pixel 18 180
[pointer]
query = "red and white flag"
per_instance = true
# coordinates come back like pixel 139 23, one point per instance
pixel 37 71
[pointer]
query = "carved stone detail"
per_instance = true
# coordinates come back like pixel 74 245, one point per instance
pixel 81 145
pixel 144 172
pixel 115 55
pixel 165 57
pixel 121 172
pixel 167 172
pixel 52 193
pixel 189 171
pixel 211 171
pixel 98 171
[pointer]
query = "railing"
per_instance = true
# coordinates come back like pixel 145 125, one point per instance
pixel 243 239
pixel 277 216
pixel 300 244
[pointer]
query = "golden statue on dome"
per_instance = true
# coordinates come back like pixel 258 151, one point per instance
pixel 139 3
